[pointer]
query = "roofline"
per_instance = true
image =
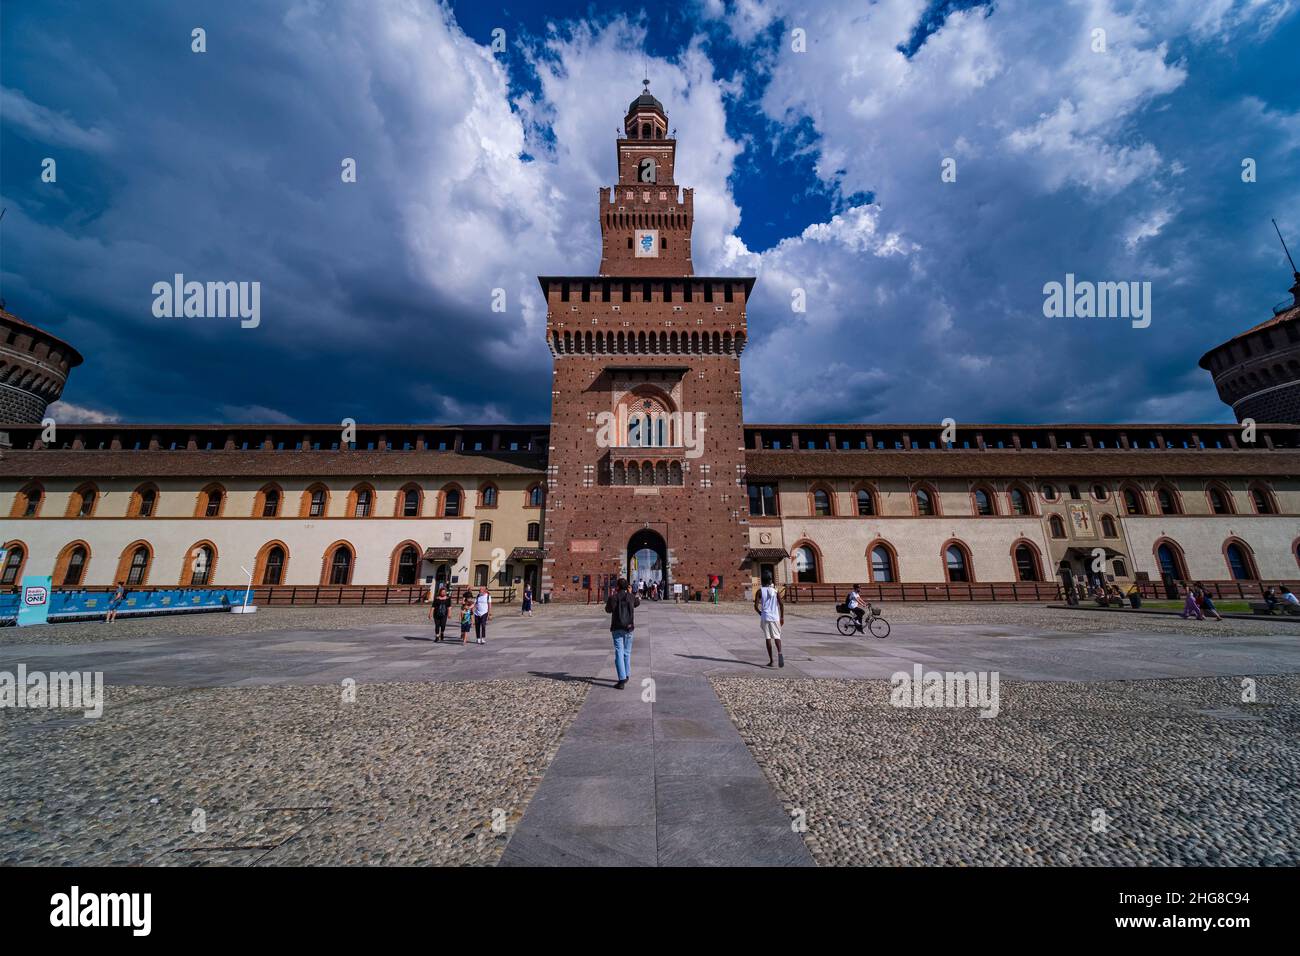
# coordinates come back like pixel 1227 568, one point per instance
pixel 76 358
pixel 967 426
pixel 291 426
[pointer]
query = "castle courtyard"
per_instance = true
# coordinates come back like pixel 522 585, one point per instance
pixel 346 735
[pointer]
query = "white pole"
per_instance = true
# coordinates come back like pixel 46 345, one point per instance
pixel 245 608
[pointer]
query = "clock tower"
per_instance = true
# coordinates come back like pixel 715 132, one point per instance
pixel 646 469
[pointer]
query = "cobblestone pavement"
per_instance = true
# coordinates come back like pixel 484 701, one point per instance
pixel 240 716
pixel 290 775
pixel 1180 772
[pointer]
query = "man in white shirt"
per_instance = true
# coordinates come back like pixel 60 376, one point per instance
pixel 482 614
pixel 771 615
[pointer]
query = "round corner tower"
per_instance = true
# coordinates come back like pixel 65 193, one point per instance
pixel 34 368
pixel 1257 372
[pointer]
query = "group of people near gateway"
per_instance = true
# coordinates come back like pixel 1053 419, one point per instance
pixel 475 612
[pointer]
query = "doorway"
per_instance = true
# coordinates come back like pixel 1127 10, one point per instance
pixel 647 559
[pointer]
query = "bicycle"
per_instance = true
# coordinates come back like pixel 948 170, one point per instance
pixel 874 622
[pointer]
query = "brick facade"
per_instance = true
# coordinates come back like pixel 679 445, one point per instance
pixel 647 436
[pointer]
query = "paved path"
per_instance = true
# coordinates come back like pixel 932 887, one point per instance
pixel 655 774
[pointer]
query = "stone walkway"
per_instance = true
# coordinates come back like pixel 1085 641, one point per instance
pixel 655 774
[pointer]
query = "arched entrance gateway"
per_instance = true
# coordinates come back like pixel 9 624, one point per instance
pixel 647 559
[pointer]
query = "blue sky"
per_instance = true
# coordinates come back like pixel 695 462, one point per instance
pixel 816 171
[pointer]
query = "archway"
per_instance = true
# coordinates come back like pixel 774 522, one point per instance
pixel 647 559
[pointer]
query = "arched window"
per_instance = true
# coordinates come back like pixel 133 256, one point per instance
pixel 27 503
pixel 1220 499
pixel 1170 559
pixel 411 502
pixel 1027 568
pixel 1020 504
pixel 485 531
pixel 73 562
pixel 144 502
pixel 535 496
pixel 957 564
pixel 1240 561
pixel 821 503
pixel 534 531
pixel 1108 529
pixel 138 570
pixel 1056 526
pixel 1048 492
pixel 1120 568
pixel 866 502
pixel 82 502
pixel 362 501
pixel 1167 499
pixel 487 496
pixel 1134 501
pixel 315 501
pixel 273 570
pixel 211 500
pixel 340 565
pixel 408 565
pixel 805 565
pixel 267 502
pixel 984 505
pixel 1261 496
pixel 925 503
pixel 882 565
pixel 451 502
pixel 13 563
pixel 200 565
pixel 1099 492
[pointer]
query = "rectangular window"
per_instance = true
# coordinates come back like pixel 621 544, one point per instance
pixel 762 500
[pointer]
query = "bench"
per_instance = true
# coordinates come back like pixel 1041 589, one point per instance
pixel 1282 607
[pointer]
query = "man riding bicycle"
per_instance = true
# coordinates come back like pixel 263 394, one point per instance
pixel 855 607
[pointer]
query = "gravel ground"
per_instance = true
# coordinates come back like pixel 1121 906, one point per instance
pixel 343 618
pixel 408 774
pixel 1184 772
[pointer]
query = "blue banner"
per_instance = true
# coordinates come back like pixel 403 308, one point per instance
pixel 77 603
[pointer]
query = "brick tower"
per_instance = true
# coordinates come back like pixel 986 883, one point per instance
pixel 647 440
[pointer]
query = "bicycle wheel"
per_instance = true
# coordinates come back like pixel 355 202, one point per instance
pixel 846 624
pixel 879 627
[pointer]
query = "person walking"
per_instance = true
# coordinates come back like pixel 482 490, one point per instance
pixel 527 607
pixel 466 617
pixel 1190 607
pixel 771 616
pixel 619 606
pixel 482 614
pixel 115 602
pixel 439 611
pixel 1207 603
